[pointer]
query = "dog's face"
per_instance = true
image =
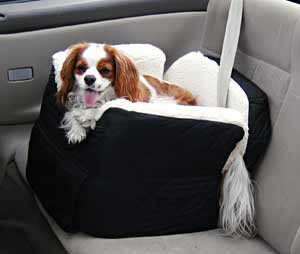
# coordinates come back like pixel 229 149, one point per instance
pixel 94 73
pixel 90 69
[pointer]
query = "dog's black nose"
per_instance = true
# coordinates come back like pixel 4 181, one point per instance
pixel 89 79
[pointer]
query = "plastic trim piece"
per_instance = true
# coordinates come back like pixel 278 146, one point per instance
pixel 34 15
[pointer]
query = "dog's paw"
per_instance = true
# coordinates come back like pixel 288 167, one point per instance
pixel 87 117
pixel 76 135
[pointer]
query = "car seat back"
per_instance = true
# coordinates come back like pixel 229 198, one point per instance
pixel 269 55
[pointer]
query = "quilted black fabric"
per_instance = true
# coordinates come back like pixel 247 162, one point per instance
pixel 135 174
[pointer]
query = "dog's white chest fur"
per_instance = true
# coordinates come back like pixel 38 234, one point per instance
pixel 78 120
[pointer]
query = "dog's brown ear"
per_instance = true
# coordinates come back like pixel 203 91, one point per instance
pixel 67 72
pixel 126 80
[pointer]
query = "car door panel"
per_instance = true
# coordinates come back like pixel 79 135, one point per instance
pixel 175 34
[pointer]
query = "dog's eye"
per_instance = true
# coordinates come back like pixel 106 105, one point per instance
pixel 104 71
pixel 81 68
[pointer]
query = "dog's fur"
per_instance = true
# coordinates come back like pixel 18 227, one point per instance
pixel 93 74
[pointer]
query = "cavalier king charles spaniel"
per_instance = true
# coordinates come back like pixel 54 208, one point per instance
pixel 93 74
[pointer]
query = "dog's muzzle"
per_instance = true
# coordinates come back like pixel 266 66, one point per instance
pixel 89 79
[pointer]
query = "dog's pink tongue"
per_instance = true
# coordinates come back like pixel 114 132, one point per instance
pixel 90 98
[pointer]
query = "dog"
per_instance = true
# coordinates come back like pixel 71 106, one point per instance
pixel 93 74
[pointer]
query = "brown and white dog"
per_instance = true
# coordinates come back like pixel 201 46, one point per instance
pixel 93 74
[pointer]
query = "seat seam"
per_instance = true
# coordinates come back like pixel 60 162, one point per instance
pixel 263 61
pixel 274 66
pixel 293 243
pixel 298 230
pixel 294 240
pixel 291 79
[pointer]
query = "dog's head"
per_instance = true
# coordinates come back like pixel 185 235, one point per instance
pixel 92 68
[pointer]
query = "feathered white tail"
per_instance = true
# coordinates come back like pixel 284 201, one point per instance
pixel 237 205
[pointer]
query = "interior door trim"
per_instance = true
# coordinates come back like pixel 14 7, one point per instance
pixel 35 15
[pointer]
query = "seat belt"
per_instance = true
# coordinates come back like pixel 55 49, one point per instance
pixel 230 44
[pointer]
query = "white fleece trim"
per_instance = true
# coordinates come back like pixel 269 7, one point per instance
pixel 199 75
pixel 224 115
pixel 58 60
